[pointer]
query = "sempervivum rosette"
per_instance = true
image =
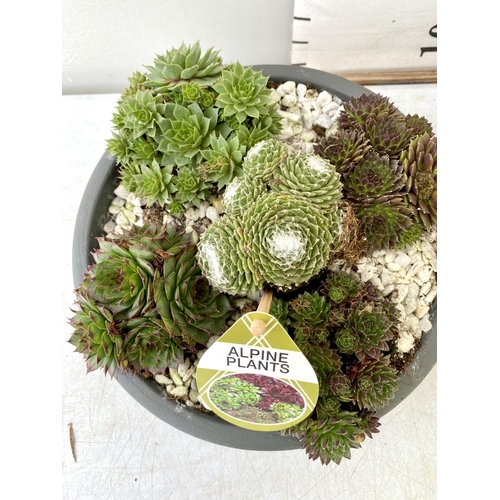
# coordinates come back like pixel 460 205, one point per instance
pixel 420 167
pixel 329 439
pixel 360 109
pixel 223 258
pixel 185 132
pixel 384 223
pixel 149 345
pixel 375 384
pixel 97 337
pixel 264 158
pixel 374 176
pixel 242 93
pixel 388 136
pixel 370 326
pixel 182 65
pixel 189 307
pixel 344 148
pixel 288 238
pixel 240 193
pixel 309 177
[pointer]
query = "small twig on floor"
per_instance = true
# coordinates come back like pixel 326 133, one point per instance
pixel 72 440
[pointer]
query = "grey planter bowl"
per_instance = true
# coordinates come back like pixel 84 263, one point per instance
pixel 91 217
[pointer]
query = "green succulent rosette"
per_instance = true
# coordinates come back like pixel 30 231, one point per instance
pixel 309 177
pixel 329 439
pixel 223 160
pixel 189 307
pixel 289 240
pixel 263 159
pixel 371 327
pixel 242 93
pixel 384 223
pixel 419 163
pixel 373 176
pixel 190 186
pixel 224 260
pixel 185 132
pixel 154 183
pixel 240 193
pixel 140 114
pixel 375 384
pixel 120 280
pixel 96 336
pixel 149 346
pixel 182 65
pixel 311 308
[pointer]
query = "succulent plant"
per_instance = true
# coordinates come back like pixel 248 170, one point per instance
pixel 240 193
pixel 369 423
pixel 340 386
pixel 280 240
pixel 389 136
pixel 418 125
pixel 374 176
pixel 279 309
pixel 325 361
pixel 223 258
pixel 344 148
pixel 120 280
pixel 263 159
pixel 383 224
pixel 309 177
pixel 309 308
pixel 371 327
pixel 341 286
pixel 289 239
pixel 347 341
pixel 191 92
pixel 223 160
pixel 375 384
pixel 329 439
pixel 188 306
pixel 96 336
pixel 154 184
pixel 140 114
pixel 190 186
pixel 359 110
pixel 327 406
pixel 182 65
pixel 185 132
pixel 242 93
pixel 420 168
pixel 149 346
pixel 136 82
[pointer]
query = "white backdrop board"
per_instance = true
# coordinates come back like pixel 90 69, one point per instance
pixel 105 41
pixel 342 36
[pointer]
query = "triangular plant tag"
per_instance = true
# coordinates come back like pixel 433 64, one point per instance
pixel 255 376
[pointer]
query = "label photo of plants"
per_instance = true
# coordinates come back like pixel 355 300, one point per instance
pixel 257 398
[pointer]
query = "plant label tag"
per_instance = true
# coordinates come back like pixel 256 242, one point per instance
pixel 259 381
